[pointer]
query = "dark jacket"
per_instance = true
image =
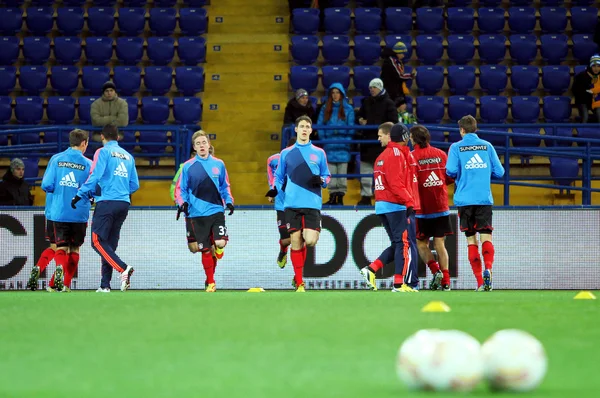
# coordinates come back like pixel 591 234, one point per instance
pixel 581 83
pixel 14 191
pixel 293 110
pixel 392 81
pixel 376 110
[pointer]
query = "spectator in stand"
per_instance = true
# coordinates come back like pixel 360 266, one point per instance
pixel 109 109
pixel 14 190
pixel 337 112
pixel 375 110
pixel 298 106
pixel 404 116
pixel 586 90
pixel 392 71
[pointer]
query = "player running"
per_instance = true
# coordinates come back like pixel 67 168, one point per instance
pixel 433 218
pixel 472 162
pixel 302 173
pixel 204 188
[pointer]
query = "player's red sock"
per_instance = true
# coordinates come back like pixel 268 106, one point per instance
pixel 298 263
pixel 433 266
pixel 446 277
pixel 61 259
pixel 209 266
pixel 45 258
pixel 487 248
pixel 398 280
pixel 282 248
pixel 376 265
pixel 215 259
pixel 303 250
pixel 475 261
pixel 71 268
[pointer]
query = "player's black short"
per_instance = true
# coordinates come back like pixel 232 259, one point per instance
pixel 299 219
pixel 282 225
pixel 189 231
pixel 207 229
pixel 50 231
pixel 476 218
pixel 437 227
pixel 69 233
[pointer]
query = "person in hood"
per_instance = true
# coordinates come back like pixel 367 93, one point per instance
pixel 109 109
pixel 14 190
pixel 392 71
pixel 298 106
pixel 586 90
pixel 337 112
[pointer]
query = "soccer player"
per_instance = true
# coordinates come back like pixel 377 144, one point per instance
pixel 48 254
pixel 284 235
pixel 204 188
pixel 433 218
pixel 302 173
pixel 472 162
pixel 393 204
pixel 113 170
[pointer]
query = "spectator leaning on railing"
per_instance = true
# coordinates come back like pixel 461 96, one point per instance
pixel 109 109
pixel 14 190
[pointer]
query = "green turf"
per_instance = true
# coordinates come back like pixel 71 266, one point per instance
pixel 273 344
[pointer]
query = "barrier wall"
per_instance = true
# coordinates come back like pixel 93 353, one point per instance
pixel 535 249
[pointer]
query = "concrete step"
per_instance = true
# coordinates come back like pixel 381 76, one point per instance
pixel 271 8
pixel 251 96
pixel 246 65
pixel 235 106
pixel 248 24
pixel 239 3
pixel 233 47
pixel 217 117
pixel 221 80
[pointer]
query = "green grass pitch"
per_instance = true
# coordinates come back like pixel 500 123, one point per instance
pixel 272 344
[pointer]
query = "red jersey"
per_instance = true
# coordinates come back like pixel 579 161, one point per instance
pixel 393 178
pixel 412 165
pixel 432 180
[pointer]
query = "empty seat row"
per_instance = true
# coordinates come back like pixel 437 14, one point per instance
pixel 65 79
pixel 431 20
pixel 106 3
pixel 101 21
pixel 457 3
pixel 61 110
pixel 99 50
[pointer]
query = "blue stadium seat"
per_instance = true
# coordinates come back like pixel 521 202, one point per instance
pixel 430 49
pixel 565 132
pixel 163 21
pixel 583 2
pixel 161 50
pixel 491 3
pixel 11 19
pixel 165 3
pixel 430 20
pixel 69 20
pixel 306 77
pixel 98 50
pixel 132 21
pixel 390 40
pixel 153 137
pixel 39 20
pixel 33 79
pixel 339 3
pixel 524 79
pixel 135 3
pixel 305 49
pixel 36 50
pixel 367 20
pixel 492 48
pixel 521 3
pixel 305 21
pixel 526 141
pixel 187 110
pixel 155 110
pixel 74 3
pixel 556 79
pixel 588 132
pixel 158 79
pixel 29 110
pixel 584 47
pixel 60 110
pixel 101 20
pixel 336 49
pixel 430 79
pixel 398 20
pixel 461 48
pixel 132 109
pixel 460 20
pixel 9 50
pixel 189 79
pixel 5 114
pixel 430 109
pixel 8 79
pixel 357 101
pixel 193 21
pixel 130 50
pixel 67 50
pixel 191 50
pixel 523 48
pixel 491 20
pixel 553 19
pixel 554 48
pixel 336 74
pixel 461 105
pixel 461 79
pixel 64 79
pixel 564 170
pixel 363 76
pixel 85 104
pixel 337 20
pixel 93 77
pixel 127 79
pixel 521 19
pixel 461 3
pixel 493 109
pixel 493 78
pixel 586 18
pixel 367 49
pixel 525 109
pixel 557 109
pixel 579 68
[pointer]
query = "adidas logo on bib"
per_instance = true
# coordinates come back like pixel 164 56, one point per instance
pixel 69 181
pixel 121 170
pixel 476 163
pixel 433 181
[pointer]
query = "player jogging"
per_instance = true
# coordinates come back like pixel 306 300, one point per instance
pixel 472 162
pixel 203 189
pixel 113 170
pixel 302 173
pixel 433 218
pixel 284 235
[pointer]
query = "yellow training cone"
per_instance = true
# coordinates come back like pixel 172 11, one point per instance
pixel 256 290
pixel 436 306
pixel 585 295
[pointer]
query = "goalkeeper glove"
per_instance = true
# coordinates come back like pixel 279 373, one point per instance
pixel 316 181
pixel 230 207
pixel 74 201
pixel 272 193
pixel 182 209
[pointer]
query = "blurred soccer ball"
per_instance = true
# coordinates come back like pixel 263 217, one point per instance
pixel 413 357
pixel 514 360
